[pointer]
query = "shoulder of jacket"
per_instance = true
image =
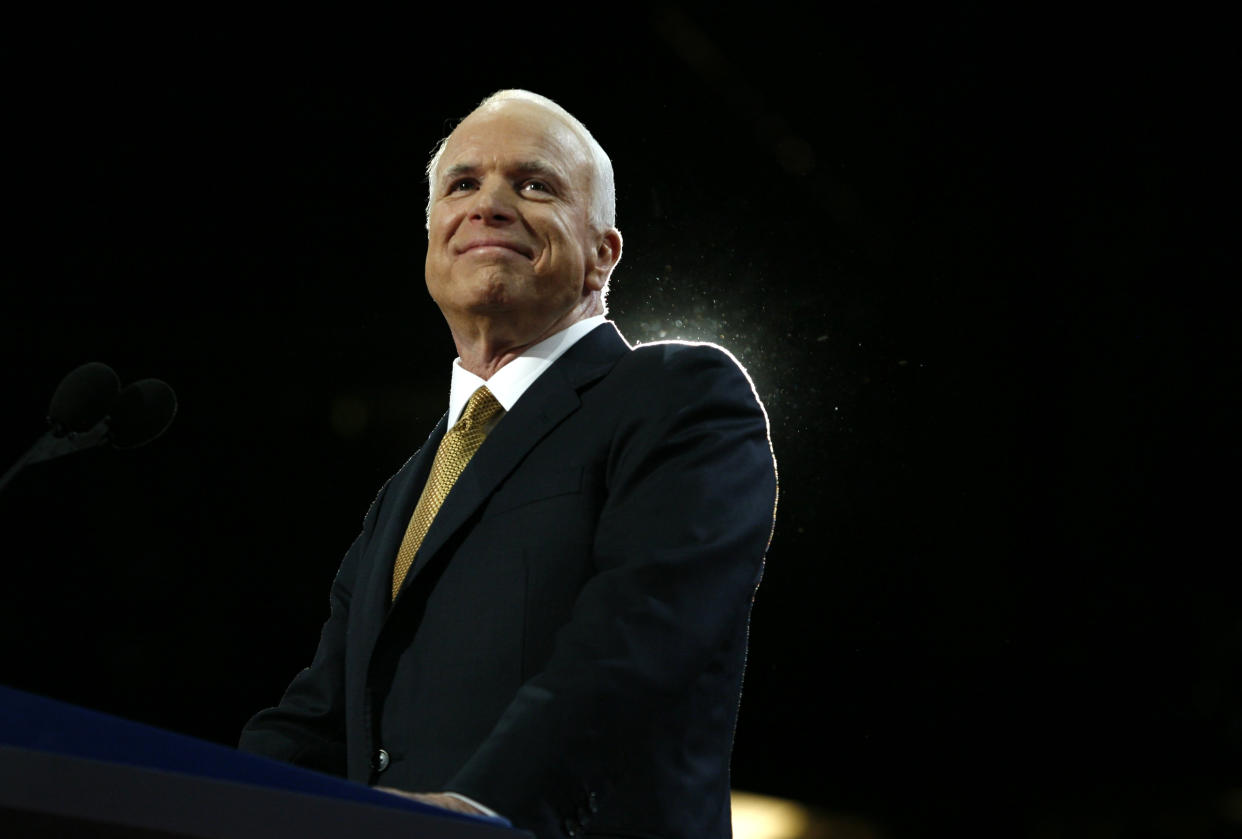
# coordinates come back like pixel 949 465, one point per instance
pixel 676 353
pixel 689 359
pixel 376 508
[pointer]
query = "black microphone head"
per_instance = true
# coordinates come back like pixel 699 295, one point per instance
pixel 83 397
pixel 143 411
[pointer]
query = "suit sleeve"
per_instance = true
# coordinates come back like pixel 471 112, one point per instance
pixel 678 552
pixel 307 728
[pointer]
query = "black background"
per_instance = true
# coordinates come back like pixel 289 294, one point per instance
pixel 978 267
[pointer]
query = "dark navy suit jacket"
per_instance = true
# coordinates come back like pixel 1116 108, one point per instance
pixel 568 648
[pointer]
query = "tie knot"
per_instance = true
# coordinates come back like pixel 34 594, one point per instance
pixel 481 409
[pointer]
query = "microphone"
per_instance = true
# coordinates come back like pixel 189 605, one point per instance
pixel 82 398
pixel 142 412
pixel 90 408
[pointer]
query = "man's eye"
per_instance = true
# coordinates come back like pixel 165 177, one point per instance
pixel 462 185
pixel 535 186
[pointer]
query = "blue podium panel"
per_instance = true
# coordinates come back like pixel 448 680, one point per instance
pixel 67 771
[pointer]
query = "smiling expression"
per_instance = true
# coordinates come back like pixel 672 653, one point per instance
pixel 509 231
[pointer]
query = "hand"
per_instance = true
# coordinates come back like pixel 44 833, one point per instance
pixel 436 799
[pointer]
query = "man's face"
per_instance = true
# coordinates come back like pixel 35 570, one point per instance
pixel 509 233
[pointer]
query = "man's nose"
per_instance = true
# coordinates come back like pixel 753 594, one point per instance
pixel 494 203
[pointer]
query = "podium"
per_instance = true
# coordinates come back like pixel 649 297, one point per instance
pixel 70 772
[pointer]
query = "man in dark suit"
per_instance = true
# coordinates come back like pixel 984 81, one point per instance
pixel 549 624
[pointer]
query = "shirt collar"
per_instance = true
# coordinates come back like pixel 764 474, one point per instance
pixel 509 382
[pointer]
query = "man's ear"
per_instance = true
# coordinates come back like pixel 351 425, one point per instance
pixel 607 255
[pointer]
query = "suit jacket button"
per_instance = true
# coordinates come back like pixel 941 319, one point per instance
pixel 380 762
pixel 571 827
pixel 592 803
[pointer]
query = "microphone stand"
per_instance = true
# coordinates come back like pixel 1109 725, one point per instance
pixel 51 445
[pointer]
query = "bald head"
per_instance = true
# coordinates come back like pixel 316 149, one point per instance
pixel 603 202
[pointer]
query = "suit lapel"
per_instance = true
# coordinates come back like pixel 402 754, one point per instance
pixel 375 596
pixel 548 401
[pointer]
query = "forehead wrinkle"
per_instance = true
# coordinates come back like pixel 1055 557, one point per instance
pixel 459 169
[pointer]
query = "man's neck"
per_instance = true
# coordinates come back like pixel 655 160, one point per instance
pixel 485 345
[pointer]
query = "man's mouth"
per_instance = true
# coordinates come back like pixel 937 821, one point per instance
pixel 496 244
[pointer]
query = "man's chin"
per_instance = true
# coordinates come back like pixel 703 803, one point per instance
pixel 493 291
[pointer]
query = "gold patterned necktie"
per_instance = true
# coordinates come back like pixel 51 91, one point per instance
pixel 458 446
